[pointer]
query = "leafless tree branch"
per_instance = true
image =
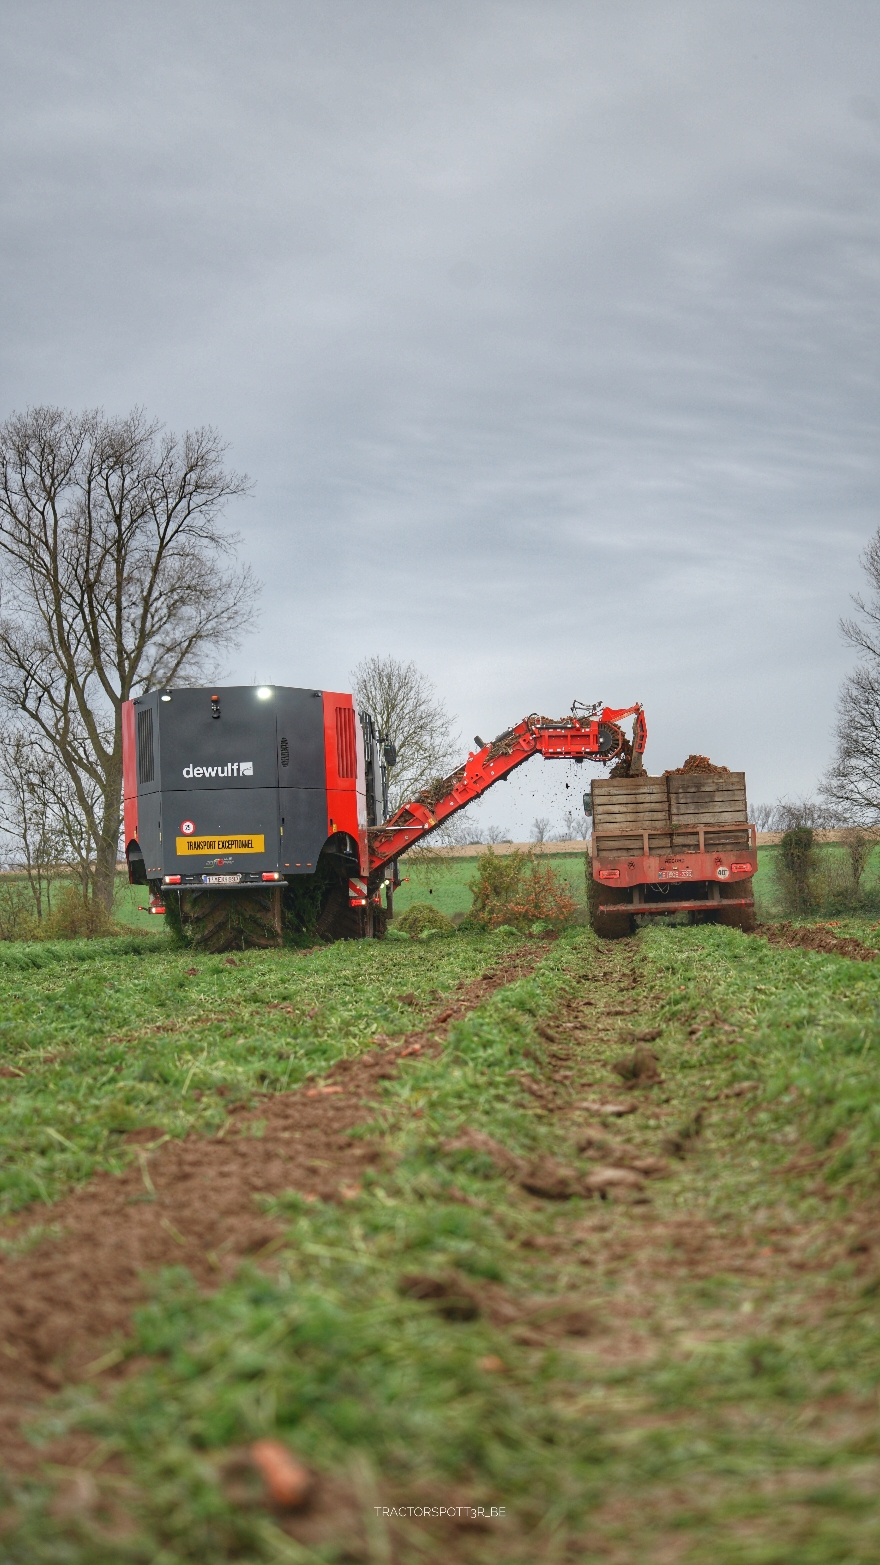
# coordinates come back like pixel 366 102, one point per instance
pixel 405 704
pixel 118 579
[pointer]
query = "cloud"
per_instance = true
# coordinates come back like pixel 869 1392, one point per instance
pixel 547 331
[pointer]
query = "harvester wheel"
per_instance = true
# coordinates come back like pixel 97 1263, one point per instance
pixel 338 920
pixel 737 917
pixel 232 920
pixel 609 926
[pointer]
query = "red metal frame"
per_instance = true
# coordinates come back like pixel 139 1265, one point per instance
pixel 346 795
pixel 576 738
pixel 129 776
pixel 660 866
pixel 639 909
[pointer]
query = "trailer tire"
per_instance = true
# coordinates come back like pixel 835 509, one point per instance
pixel 220 921
pixel 737 917
pixel 609 926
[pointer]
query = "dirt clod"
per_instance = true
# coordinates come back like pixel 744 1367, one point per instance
pixel 740 1089
pixel 609 1110
pixel 639 1069
pixel 678 1143
pixel 478 1141
pixel 550 1180
pixel 449 1295
pixel 491 1364
pixel 602 1179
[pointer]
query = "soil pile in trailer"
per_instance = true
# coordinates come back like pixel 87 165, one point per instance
pixel 697 765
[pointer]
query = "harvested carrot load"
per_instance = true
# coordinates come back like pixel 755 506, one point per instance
pixel 699 764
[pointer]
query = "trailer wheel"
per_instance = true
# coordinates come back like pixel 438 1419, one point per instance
pixel 737 917
pixel 232 920
pixel 609 926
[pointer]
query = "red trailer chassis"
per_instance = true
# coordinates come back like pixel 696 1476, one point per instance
pixel 662 871
pixel 710 878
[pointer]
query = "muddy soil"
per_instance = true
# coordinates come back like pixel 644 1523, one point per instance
pixel 187 1203
pixel 816 938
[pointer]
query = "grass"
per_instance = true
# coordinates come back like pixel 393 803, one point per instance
pixel 444 882
pixel 102 1037
pixel 725 1408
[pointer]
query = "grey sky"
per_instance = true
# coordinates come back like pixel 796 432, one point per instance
pixel 548 332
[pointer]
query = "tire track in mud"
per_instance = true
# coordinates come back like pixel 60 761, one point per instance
pixel 631 1127
pixel 192 1203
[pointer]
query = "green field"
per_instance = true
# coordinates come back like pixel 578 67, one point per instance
pixel 686 1368
pixel 444 882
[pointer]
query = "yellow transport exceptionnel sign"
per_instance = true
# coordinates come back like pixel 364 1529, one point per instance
pixel 187 846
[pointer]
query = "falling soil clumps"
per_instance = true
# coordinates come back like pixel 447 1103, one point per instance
pixel 812 938
pixel 696 765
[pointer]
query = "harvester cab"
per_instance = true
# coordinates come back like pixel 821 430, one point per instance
pixel 231 794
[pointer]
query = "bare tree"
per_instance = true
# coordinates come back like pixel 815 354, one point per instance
pixel 118 580
pixel 32 836
pixel 45 833
pixel 852 784
pixel 859 845
pixel 576 826
pixel 791 814
pixel 540 828
pixel 496 834
pixel 763 816
pixel 410 716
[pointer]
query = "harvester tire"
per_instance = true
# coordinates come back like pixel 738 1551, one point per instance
pixel 609 926
pixel 338 920
pixel 737 917
pixel 219 921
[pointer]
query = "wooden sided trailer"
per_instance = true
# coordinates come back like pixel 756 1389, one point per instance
pixel 675 844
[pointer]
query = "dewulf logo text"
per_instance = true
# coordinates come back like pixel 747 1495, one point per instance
pixel 231 769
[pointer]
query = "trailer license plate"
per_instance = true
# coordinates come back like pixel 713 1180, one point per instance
pixel 221 880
